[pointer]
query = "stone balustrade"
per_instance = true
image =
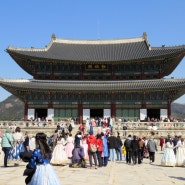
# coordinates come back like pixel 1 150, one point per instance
pixel 133 128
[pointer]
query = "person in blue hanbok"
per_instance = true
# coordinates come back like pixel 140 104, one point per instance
pixel 18 146
pixel 105 151
pixel 39 169
pixel 168 158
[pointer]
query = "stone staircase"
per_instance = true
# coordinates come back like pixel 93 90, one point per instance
pixel 134 128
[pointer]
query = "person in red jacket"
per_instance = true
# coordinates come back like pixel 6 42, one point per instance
pixel 161 142
pixel 91 139
pixel 99 144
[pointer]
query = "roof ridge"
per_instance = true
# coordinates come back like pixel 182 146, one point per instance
pixel 98 41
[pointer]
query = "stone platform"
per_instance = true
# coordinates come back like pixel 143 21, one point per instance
pixel 116 173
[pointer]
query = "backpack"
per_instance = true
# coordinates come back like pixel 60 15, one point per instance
pixel 127 143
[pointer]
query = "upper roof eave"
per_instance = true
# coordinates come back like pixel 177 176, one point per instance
pixel 159 84
pixel 82 42
pixel 116 50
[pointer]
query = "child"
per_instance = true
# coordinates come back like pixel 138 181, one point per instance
pixel 124 152
pixel 43 172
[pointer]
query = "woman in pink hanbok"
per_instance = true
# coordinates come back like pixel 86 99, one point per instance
pixel 85 146
pixel 69 146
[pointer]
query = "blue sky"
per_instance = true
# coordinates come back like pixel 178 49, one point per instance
pixel 31 23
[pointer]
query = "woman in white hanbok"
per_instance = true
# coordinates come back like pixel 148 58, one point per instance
pixel 59 156
pixel 180 154
pixel 168 158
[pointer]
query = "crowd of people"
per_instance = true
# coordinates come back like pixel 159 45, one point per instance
pixel 87 148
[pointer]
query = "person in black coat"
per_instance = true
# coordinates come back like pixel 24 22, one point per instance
pixel 135 148
pixel 119 148
pixel 112 145
pixel 127 145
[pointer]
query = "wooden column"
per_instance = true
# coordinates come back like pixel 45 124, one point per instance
pixel 50 105
pixel 26 111
pixel 143 104
pixel 113 110
pixel 80 113
pixel 169 110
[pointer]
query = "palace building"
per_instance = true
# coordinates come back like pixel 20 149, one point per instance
pixel 119 78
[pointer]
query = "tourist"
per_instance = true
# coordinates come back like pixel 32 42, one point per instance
pixel 119 148
pixel 6 144
pixel 70 128
pixel 124 129
pixel 32 144
pixel 42 171
pixel 128 149
pixel 69 145
pixel 59 156
pixel 175 140
pixel 0 144
pixel 180 154
pixel 78 138
pixel 77 159
pixel 18 146
pixel 91 140
pixel 105 151
pixel 80 127
pixel 26 142
pixel 99 144
pixel 161 142
pixel 152 148
pixel 112 145
pixel 111 124
pixel 134 145
pixel 124 152
pixel 145 153
pixel 55 138
pixel 85 146
pixel 141 143
pixel 168 158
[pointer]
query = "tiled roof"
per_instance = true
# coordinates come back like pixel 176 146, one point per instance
pixel 98 50
pixel 135 85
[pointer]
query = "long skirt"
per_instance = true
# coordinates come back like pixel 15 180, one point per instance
pixel 180 156
pixel 168 158
pixel 16 150
pixel 69 148
pixel 44 175
pixel 59 156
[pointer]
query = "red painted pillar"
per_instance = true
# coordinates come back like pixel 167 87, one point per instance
pixel 50 105
pixel 80 113
pixel 169 110
pixel 26 111
pixel 113 110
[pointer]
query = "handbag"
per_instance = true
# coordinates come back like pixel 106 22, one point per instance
pixel 93 148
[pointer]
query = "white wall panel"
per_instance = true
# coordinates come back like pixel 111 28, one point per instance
pixel 106 113
pixel 31 114
pixel 143 114
pixel 86 114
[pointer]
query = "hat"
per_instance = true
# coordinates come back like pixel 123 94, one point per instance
pixel 8 130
